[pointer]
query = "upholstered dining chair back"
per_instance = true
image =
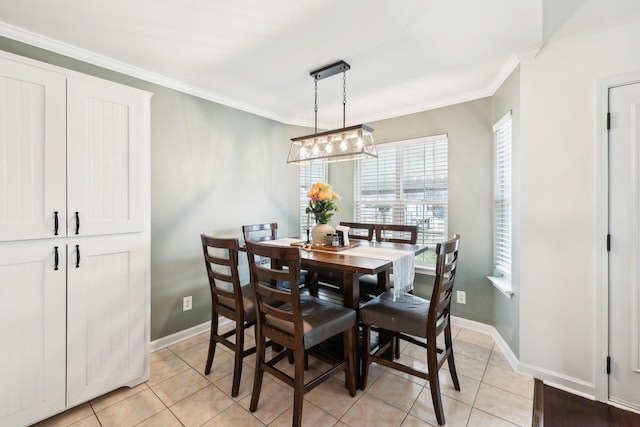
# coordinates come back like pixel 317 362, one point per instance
pixel 396 233
pixel 229 299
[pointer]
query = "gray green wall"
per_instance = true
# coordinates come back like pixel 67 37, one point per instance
pixel 214 168
pixel 468 126
pixel 506 314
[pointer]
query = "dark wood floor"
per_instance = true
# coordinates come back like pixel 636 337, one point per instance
pixel 557 408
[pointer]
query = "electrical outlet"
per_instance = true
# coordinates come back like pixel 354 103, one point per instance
pixel 186 303
pixel 461 297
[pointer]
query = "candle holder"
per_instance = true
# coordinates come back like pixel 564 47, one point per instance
pixel 308 240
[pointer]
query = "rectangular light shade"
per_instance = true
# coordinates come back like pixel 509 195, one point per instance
pixel 350 143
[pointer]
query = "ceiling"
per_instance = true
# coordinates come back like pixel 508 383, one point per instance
pixel 255 55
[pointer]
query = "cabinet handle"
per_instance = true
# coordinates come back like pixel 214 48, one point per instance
pixel 77 256
pixel 55 223
pixel 77 223
pixel 55 248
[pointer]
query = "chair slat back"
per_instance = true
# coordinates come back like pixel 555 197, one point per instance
pixel 359 230
pixel 440 307
pixel 260 232
pixel 284 266
pixel 221 262
pixel 397 233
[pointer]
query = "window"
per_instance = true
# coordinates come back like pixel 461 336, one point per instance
pixel 309 174
pixel 502 195
pixel 406 184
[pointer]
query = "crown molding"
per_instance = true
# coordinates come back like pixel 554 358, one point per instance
pixel 71 51
pixel 75 52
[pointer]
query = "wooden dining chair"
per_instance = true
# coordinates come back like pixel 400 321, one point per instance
pixel 409 316
pixel 296 321
pixel 359 230
pixel 265 232
pixel 260 232
pixel 228 299
pixel 396 233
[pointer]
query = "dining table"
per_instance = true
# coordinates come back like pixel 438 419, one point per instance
pixel 343 267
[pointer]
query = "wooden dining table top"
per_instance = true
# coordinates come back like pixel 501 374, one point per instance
pixel 355 263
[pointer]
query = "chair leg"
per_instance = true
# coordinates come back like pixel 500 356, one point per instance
pixel 434 384
pixel 366 348
pixel 259 373
pixel 298 386
pixel 450 359
pixel 212 342
pixel 237 368
pixel 349 372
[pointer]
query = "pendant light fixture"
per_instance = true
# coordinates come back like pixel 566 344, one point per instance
pixel 347 143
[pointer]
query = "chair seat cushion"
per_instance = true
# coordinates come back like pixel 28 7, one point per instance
pixel 408 313
pixel 321 320
pixel 248 302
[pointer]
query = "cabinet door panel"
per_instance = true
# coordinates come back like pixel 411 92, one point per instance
pixel 105 151
pixel 32 332
pixel 32 151
pixel 106 315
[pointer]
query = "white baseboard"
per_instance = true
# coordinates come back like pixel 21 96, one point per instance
pixel 553 379
pixel 489 330
pixel 168 340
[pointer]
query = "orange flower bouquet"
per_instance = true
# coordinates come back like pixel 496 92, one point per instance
pixel 322 202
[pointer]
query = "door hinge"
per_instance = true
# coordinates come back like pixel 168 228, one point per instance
pixel 608 121
pixel 608 365
pixel 608 242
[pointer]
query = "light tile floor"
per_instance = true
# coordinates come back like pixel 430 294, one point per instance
pixel 179 394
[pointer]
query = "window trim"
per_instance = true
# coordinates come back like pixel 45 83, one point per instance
pixel 502 279
pixel 422 267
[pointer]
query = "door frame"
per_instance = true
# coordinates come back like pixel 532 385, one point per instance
pixel 603 85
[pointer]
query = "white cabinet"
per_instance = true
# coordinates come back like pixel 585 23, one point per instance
pixel 32 151
pixel 105 314
pixel 74 239
pixel 105 183
pixel 32 331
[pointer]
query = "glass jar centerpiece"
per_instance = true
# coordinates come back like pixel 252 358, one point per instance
pixel 322 204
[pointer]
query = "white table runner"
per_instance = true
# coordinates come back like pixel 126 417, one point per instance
pixel 403 264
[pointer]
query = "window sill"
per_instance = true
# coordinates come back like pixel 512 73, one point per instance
pixel 425 269
pixel 503 284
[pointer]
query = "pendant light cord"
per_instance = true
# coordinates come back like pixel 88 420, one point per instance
pixel 344 98
pixel 315 105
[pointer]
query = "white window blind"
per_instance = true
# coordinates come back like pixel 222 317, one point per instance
pixel 502 195
pixel 406 184
pixel 309 174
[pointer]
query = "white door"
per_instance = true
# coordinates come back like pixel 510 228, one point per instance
pixel 624 256
pixel 32 331
pixel 32 152
pixel 106 315
pixel 105 152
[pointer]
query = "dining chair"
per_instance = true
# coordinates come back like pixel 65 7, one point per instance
pixel 260 232
pixel 228 299
pixel 297 321
pixel 410 317
pixel 396 233
pixel 359 230
pixel 265 232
